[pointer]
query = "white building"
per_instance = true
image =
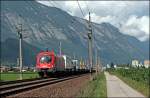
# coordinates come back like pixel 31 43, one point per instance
pixel 108 66
pixel 140 64
pixel 135 63
pixel 115 66
pixel 146 63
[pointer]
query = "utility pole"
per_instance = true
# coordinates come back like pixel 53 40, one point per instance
pixel 60 48
pixel 96 61
pixel 90 44
pixel 99 64
pixel 74 56
pixel 19 31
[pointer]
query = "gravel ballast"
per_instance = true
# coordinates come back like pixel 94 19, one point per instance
pixel 69 88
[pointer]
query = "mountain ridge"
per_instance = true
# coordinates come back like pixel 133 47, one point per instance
pixel 47 26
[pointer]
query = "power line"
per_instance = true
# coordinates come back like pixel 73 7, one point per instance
pixel 56 3
pixel 93 36
pixel 87 6
pixel 80 8
pixel 89 11
pixel 90 38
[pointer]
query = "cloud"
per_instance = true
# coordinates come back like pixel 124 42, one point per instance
pixel 100 19
pixel 137 27
pixel 125 15
pixel 102 8
pixel 133 26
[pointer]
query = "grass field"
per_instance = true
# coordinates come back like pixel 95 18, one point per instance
pixel 95 88
pixel 10 76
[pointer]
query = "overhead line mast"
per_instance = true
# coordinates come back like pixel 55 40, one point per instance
pixel 60 53
pixel 90 54
pixel 19 31
pixel 90 38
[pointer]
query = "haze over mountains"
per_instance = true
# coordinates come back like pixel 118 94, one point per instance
pixel 47 26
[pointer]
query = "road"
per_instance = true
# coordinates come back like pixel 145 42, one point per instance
pixel 117 88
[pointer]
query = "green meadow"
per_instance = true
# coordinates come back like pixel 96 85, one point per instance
pixel 95 88
pixel 11 76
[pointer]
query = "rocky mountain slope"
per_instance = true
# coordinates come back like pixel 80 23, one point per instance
pixel 47 26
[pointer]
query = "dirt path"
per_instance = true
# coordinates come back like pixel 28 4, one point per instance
pixel 117 88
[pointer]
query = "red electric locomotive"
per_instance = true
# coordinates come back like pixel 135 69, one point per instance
pixel 45 61
pixel 48 63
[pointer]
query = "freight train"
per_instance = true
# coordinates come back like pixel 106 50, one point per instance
pixel 48 62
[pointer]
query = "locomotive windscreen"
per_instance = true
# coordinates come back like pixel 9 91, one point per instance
pixel 45 59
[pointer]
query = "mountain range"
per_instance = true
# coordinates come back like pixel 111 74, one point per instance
pixel 47 26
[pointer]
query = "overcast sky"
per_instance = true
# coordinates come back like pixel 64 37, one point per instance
pixel 131 17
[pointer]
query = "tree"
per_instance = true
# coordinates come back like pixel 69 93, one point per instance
pixel 112 65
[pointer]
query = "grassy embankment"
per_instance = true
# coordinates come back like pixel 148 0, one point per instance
pixel 95 88
pixel 136 78
pixel 10 76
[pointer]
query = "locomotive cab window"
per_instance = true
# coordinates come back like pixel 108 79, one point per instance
pixel 45 59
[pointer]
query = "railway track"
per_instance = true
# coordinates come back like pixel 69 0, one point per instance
pixel 17 81
pixel 14 88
